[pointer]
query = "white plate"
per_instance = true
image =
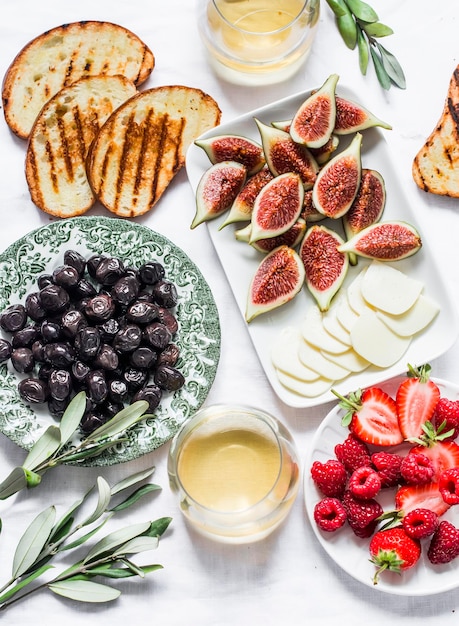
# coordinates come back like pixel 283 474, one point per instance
pixel 350 552
pixel 240 261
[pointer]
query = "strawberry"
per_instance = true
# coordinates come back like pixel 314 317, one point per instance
pixel 392 549
pixel 443 454
pixel 444 546
pixel 416 399
pixel 446 417
pixel 427 496
pixel 372 417
pixel 330 514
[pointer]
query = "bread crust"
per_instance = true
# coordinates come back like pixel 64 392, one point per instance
pixel 64 54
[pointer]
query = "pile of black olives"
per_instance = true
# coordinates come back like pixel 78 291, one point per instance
pixel 99 326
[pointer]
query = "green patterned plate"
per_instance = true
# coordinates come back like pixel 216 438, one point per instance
pixel 198 336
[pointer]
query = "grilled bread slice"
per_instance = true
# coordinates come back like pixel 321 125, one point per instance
pixel 143 144
pixel 64 54
pixel 60 139
pixel 436 166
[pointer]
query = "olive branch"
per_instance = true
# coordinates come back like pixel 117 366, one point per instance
pixel 359 27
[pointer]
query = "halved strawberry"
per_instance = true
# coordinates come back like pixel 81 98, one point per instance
pixel 416 399
pixel 410 497
pixel 372 417
pixel 443 454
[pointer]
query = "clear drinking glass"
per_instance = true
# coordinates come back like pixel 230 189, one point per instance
pixel 256 42
pixel 236 472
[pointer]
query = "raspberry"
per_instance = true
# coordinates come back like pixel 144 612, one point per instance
pixel 420 523
pixel 362 515
pixel 448 485
pixel 364 483
pixel 417 469
pixel 329 514
pixel 352 453
pixel 447 411
pixel 330 477
pixel 444 546
pixel 387 464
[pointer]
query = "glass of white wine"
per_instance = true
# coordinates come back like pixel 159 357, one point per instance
pixel 236 472
pixel 257 42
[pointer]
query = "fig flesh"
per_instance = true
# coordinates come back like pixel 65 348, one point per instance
pixel 277 207
pixel 310 213
pixel 284 155
pixel 323 154
pixel 338 182
pixel 234 148
pixel 352 117
pixel 314 121
pixel 241 209
pixel 385 241
pixel 367 207
pixel 217 190
pixel 291 237
pixel 277 280
pixel 325 265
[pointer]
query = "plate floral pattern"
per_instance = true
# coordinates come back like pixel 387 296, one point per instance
pixel 198 336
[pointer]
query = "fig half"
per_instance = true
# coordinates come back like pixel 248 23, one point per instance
pixel 217 190
pixel 337 183
pixel 352 117
pixel 291 237
pixel 234 148
pixel 242 207
pixel 385 241
pixel 325 265
pixel 314 121
pixel 277 280
pixel 277 207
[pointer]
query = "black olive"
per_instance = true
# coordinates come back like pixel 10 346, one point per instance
pixel 79 371
pixel 109 408
pixel 37 350
pixel 117 390
pixel 50 331
pixel 169 378
pixel 100 308
pixel 22 360
pixel 5 350
pixel 66 276
pixel 93 263
pixel 33 307
pixel 87 343
pixel 76 260
pixel 165 294
pixel 168 319
pixel 127 339
pixel 97 387
pixel 54 298
pixel 91 421
pixel 57 407
pixel 33 390
pixel 106 359
pixel 169 356
pixel 25 337
pixel 145 296
pixel 125 290
pixel 44 280
pixel 151 272
pixel 72 321
pixel 109 329
pixel 142 312
pixel 60 384
pixel 109 270
pixel 157 335
pixel 143 357
pixel 44 371
pixel 135 378
pixel 84 289
pixel 59 354
pixel 13 318
pixel 151 394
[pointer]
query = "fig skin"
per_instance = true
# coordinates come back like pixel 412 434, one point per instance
pixel 217 190
pixel 242 207
pixel 325 265
pixel 234 148
pixel 313 123
pixel 385 241
pixel 352 117
pixel 291 237
pixel 277 280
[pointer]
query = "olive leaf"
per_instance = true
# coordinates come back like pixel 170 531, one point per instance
pixel 392 67
pixel 115 539
pixel 362 10
pixel 383 77
pixel 33 540
pixel 364 51
pixel 120 422
pixel 45 446
pixel 84 591
pixel 376 29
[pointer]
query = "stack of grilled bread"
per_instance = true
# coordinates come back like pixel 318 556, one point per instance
pixel 73 94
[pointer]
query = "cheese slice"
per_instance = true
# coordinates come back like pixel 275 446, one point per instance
pixel 375 342
pixel 284 355
pixel 331 323
pixel 388 289
pixel 346 316
pixel 420 315
pixel 350 360
pixel 314 332
pixel 304 388
pixel 354 294
pixel 312 357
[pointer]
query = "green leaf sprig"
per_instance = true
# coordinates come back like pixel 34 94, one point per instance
pixel 359 27
pixel 53 447
pixel 110 557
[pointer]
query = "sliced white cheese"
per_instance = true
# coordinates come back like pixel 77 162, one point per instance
pixel 284 355
pixel 375 342
pixel 331 322
pixel 354 294
pixel 350 360
pixel 388 289
pixel 312 357
pixel 314 332
pixel 420 315
pixel 303 388
pixel 346 316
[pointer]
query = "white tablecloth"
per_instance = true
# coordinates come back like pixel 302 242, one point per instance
pixel 288 578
